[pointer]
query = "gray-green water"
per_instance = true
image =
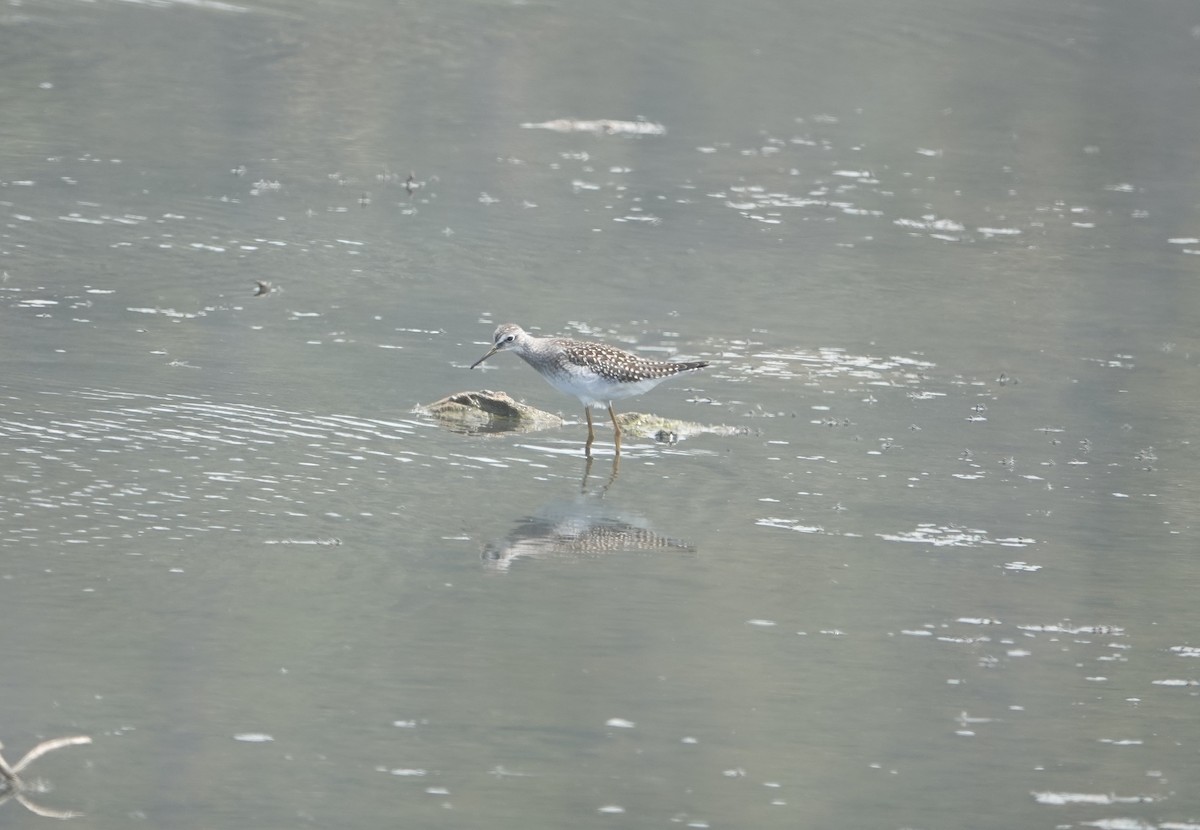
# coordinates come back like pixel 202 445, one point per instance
pixel 942 256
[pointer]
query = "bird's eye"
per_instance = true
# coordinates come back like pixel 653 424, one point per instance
pixel 510 338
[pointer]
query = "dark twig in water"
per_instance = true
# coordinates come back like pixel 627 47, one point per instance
pixel 7 773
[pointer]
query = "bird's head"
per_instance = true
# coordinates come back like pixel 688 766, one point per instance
pixel 505 336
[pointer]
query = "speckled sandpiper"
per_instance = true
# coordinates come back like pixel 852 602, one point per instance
pixel 593 372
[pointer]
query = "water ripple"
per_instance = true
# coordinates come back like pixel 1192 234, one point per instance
pixel 94 465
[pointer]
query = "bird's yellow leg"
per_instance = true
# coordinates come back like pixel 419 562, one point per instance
pixel 616 427
pixel 587 450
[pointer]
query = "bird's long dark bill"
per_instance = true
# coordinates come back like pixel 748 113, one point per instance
pixel 494 349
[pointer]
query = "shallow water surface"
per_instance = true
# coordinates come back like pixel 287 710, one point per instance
pixel 931 566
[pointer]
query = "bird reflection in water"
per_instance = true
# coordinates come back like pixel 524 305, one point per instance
pixel 584 526
pixel 12 785
pixel 612 476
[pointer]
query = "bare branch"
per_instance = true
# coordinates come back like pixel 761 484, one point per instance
pixel 48 746
pixel 44 811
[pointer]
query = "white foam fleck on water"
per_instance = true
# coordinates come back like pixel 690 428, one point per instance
pixel 789 524
pixel 1059 799
pixel 167 312
pixel 928 533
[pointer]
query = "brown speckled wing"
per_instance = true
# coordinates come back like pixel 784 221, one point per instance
pixel 623 367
